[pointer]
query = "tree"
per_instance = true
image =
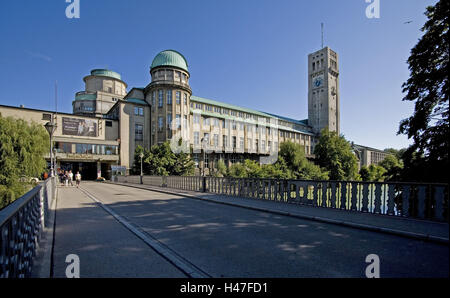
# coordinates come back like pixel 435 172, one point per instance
pixel 393 167
pixel 334 153
pixel 161 161
pixel 428 87
pixel 292 159
pixel 22 154
pixel 372 173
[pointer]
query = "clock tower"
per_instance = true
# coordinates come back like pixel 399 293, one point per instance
pixel 323 90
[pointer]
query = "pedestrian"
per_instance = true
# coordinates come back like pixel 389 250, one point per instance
pixel 66 178
pixel 61 177
pixel 78 178
pixel 70 178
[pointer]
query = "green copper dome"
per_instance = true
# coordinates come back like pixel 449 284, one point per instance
pixel 170 58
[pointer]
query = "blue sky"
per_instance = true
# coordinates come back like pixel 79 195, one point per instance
pixel 251 53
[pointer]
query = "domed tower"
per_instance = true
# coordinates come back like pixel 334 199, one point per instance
pixel 169 95
pixel 103 88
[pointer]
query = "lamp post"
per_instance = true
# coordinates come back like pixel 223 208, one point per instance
pixel 141 156
pixel 203 141
pixel 51 128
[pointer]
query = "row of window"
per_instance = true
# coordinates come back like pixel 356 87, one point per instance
pixel 168 96
pixel 138 111
pixel 215 142
pixel 224 111
pixel 62 147
pixel 170 75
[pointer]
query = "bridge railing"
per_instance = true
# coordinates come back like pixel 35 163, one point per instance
pixel 21 226
pixel 414 200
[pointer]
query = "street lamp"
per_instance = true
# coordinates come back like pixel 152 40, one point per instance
pixel 204 141
pixel 141 156
pixel 51 128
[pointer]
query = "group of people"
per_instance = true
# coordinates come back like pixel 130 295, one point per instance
pixel 66 178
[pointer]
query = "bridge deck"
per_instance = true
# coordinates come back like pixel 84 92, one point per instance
pixel 420 229
pixel 221 240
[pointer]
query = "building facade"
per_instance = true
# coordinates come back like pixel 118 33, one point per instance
pixel 167 110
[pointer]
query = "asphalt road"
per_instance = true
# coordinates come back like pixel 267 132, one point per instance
pixel 228 241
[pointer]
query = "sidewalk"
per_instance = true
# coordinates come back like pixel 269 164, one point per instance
pixel 412 228
pixel 104 246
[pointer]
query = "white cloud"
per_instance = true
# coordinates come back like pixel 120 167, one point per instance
pixel 39 56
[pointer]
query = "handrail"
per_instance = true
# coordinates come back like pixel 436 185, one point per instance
pixel 417 200
pixel 21 225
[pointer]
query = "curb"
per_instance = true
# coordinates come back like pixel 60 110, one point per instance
pixel 411 235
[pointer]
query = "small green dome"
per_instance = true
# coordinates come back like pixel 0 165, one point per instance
pixel 170 58
pixel 106 73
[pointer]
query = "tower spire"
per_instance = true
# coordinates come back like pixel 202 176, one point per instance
pixel 321 24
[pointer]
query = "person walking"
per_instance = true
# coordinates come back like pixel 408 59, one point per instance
pixel 78 178
pixel 66 178
pixel 70 178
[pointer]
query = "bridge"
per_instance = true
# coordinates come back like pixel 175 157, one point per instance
pixel 205 227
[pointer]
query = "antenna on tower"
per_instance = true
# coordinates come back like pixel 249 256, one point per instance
pixel 56 97
pixel 321 24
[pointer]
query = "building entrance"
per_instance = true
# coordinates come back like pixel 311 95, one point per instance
pixel 88 170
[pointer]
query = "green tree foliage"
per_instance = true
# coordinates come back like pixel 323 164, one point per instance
pixel 372 173
pixel 161 161
pixel 221 170
pixel 428 88
pixel 393 166
pixel 334 153
pixel 22 150
pixel 292 159
pixel 291 164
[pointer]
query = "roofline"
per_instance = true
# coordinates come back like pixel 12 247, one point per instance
pixel 47 111
pixel 120 80
pixel 247 110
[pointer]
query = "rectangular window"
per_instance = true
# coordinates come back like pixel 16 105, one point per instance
pixel 138 132
pixel 207 161
pixel 169 97
pixel 185 99
pixel 233 142
pixel 160 123
pixel 196 119
pixel 47 117
pixel 225 141
pixel 241 143
pixel 178 97
pixel 178 120
pixel 169 121
pixel 138 111
pixel 108 123
pixel 206 138
pixel 216 140
pixel 154 98
pixel 196 138
pixel 185 121
pixel 160 98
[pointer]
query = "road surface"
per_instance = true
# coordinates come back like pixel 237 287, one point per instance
pixel 217 240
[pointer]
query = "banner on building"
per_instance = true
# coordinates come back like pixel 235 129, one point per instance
pixel 79 127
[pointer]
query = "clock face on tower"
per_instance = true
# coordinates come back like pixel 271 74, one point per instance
pixel 318 81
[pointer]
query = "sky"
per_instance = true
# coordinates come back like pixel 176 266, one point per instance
pixel 251 53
